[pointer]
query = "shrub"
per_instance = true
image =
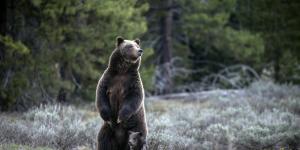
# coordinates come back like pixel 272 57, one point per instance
pixel 56 126
pixel 264 116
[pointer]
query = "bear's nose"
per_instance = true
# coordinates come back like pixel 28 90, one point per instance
pixel 140 50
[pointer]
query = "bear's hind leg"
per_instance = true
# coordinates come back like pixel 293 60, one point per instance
pixel 105 139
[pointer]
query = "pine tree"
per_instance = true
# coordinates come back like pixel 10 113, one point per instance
pixel 278 22
pixel 68 44
pixel 214 43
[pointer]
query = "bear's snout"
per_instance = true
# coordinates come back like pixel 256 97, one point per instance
pixel 140 52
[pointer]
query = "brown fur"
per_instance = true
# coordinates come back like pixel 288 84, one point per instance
pixel 120 97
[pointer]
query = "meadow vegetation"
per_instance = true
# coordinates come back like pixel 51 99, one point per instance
pixel 263 116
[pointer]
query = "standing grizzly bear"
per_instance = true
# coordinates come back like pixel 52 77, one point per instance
pixel 120 97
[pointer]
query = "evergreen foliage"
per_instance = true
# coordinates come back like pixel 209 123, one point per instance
pixel 58 49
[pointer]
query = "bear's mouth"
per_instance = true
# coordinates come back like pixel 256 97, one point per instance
pixel 131 59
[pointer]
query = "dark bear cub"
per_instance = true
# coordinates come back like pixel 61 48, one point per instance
pixel 136 141
pixel 120 97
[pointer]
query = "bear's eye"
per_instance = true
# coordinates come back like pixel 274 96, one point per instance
pixel 129 46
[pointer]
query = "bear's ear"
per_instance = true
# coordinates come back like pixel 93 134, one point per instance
pixel 137 41
pixel 119 40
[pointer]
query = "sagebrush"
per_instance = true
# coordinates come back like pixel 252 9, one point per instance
pixel 263 116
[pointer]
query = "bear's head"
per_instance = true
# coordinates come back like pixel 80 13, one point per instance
pixel 129 49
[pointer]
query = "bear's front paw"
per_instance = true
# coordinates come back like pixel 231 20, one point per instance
pixel 129 124
pixel 119 120
pixel 123 115
pixel 112 124
pixel 105 114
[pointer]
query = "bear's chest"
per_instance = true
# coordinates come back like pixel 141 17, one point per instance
pixel 116 91
pixel 117 85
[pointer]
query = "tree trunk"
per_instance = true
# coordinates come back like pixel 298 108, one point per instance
pixel 277 65
pixel 3 22
pixel 62 93
pixel 163 80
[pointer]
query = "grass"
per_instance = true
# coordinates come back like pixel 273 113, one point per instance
pixel 21 147
pixel 264 116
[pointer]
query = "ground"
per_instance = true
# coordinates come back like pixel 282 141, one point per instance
pixel 263 116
